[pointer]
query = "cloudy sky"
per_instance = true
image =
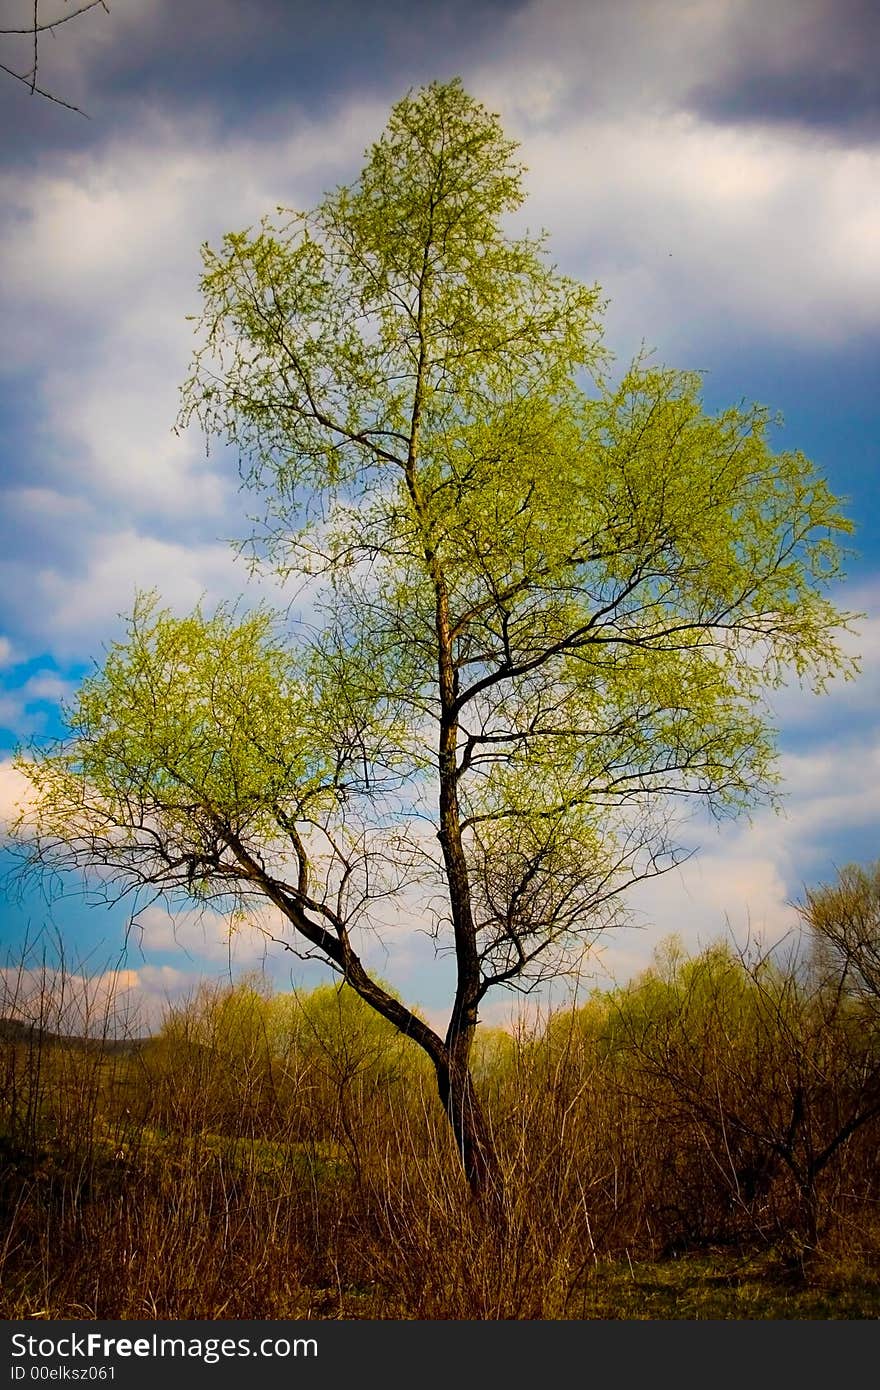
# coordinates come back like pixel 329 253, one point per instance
pixel 713 164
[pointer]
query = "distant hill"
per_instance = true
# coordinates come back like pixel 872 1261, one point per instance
pixel 14 1030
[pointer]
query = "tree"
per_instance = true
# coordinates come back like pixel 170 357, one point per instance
pixel 547 605
pixel 33 32
pixel 844 921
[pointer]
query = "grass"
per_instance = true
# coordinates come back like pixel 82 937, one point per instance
pixel 726 1286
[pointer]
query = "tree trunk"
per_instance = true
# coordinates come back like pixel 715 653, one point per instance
pixel 809 1216
pixel 473 1137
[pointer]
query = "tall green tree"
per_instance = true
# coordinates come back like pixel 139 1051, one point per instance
pixel 548 606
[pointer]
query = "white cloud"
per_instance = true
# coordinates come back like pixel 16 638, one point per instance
pixel 17 707
pixel 134 214
pixel 101 251
pixel 856 700
pixel 15 792
pixel 644 56
pixel 206 935
pixel 746 877
pixel 11 712
pixel 59 510
pixel 46 685
pixel 116 425
pixel 833 788
pixel 76 608
pixel 694 230
pixel 736 885
pixel 115 1003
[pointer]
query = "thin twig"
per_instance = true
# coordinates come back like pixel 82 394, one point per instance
pixel 37 28
pixel 26 78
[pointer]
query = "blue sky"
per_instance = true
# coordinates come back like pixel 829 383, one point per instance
pixel 713 164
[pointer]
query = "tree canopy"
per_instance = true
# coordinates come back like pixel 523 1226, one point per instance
pixel 548 602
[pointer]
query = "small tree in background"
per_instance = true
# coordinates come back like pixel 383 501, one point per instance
pixel 546 606
pixel 844 921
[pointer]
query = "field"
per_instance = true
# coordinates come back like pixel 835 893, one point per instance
pixel 702 1144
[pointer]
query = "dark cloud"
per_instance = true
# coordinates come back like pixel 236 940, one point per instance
pixel 807 63
pixel 238 64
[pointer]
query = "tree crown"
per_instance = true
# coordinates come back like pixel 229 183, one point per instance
pixel 549 603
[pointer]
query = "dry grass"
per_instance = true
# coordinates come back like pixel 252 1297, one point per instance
pixel 240 1166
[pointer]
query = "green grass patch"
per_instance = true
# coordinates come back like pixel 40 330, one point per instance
pixel 724 1287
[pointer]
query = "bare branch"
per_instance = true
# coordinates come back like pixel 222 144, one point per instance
pixel 35 29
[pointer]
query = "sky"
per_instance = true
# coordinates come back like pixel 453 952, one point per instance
pixel 713 164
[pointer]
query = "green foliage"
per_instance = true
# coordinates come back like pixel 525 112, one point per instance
pixel 316 326
pixel 844 920
pixel 333 1029
pixel 197 736
pixel 228 1021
